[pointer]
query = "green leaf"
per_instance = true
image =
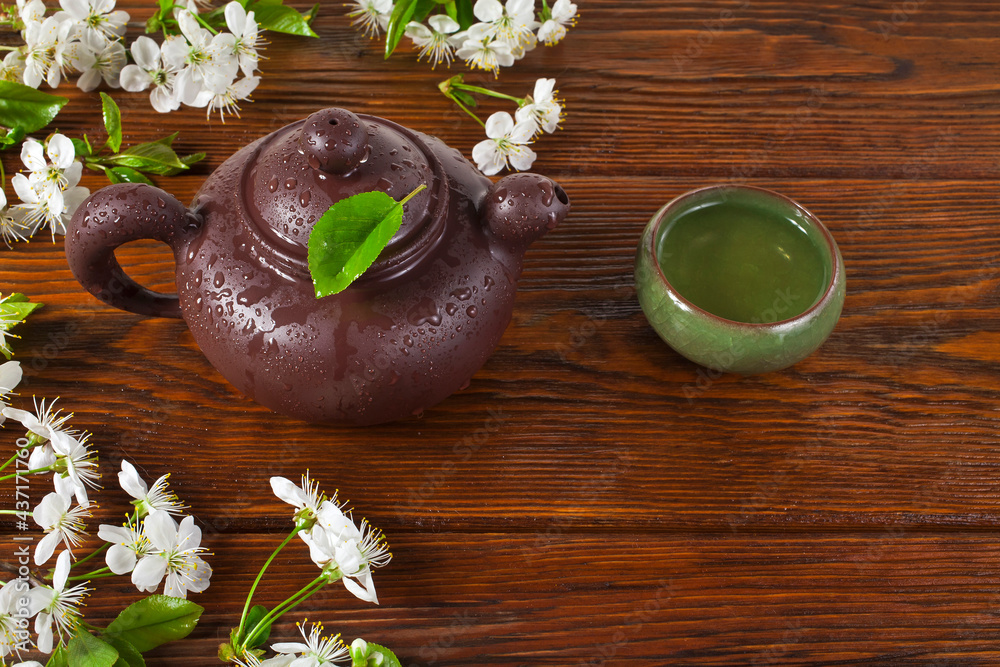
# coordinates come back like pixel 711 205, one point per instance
pixel 350 236
pixel 153 157
pixel 311 15
pixel 13 310
pixel 421 11
pixel 112 122
pixel 401 15
pixel 24 107
pixel 194 158
pixel 128 655
pixel 58 658
pixel 155 620
pixel 272 15
pixel 126 175
pixel 81 147
pixel 465 16
pixel 86 650
pixel 389 658
pixel 167 140
pixel 465 98
pixel 253 618
pixel 14 136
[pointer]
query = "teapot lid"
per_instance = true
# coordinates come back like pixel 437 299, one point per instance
pixel 306 167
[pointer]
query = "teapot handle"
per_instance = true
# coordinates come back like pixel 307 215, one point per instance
pixel 118 214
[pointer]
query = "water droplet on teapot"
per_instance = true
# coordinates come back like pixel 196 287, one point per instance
pixel 273 184
pixel 425 312
pixel 471 311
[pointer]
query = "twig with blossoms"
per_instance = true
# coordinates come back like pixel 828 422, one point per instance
pixel 507 137
pixel 487 35
pixel 151 546
pixel 343 551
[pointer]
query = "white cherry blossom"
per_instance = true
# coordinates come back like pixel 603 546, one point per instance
pixel 10 617
pixel 150 69
pixel 97 18
pixel 77 463
pixel 61 167
pixel 175 554
pixel 12 68
pixel 227 101
pixel 158 499
pixel 56 606
pixel 370 15
pixel 554 29
pixel 505 143
pixel 244 28
pixel 129 544
pixel 512 23
pixel 314 651
pixel 436 42
pixel 10 377
pixel 481 51
pixel 347 552
pixel 206 62
pixel 543 109
pixel 109 59
pixel 60 520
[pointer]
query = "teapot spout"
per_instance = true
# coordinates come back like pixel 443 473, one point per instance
pixel 521 208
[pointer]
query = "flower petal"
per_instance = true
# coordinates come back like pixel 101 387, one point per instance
pixel 61 151
pixel 499 125
pixel 488 10
pixel 288 491
pixel 130 481
pixel 45 547
pixel 63 563
pixel 149 571
pixel 120 559
pixel 161 531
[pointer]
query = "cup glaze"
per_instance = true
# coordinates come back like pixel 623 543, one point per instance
pixel 728 345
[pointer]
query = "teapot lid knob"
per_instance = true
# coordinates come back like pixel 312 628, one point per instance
pixel 334 141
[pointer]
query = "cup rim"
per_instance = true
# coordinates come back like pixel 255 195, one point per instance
pixel 831 248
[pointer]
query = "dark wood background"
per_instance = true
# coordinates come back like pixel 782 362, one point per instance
pixel 623 506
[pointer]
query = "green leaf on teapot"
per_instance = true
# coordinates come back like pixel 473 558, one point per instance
pixel 350 236
pixel 112 122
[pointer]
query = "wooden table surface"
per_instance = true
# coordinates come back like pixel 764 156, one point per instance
pixel 592 498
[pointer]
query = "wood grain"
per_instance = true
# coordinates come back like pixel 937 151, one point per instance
pixel 592 498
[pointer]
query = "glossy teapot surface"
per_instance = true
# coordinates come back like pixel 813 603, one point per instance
pixel 412 330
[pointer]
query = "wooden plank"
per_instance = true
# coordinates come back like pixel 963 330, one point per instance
pixel 555 597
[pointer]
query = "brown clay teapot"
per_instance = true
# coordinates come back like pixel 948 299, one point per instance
pixel 409 332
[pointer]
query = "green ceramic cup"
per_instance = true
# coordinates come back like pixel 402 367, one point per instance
pixel 759 280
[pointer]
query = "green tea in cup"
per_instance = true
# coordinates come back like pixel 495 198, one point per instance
pixel 743 260
pixel 739 278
